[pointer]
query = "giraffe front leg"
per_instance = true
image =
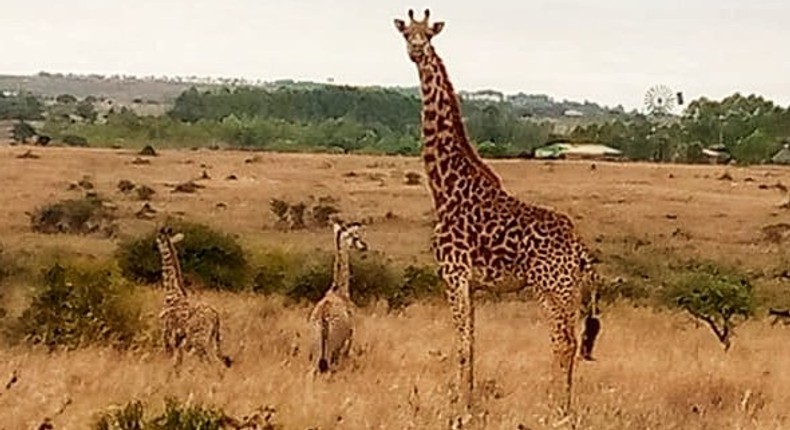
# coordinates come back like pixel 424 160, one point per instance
pixel 459 296
pixel 561 311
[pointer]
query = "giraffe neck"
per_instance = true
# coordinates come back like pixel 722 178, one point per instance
pixel 172 278
pixel 341 279
pixel 447 152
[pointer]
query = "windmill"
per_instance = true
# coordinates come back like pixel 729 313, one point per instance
pixel 660 100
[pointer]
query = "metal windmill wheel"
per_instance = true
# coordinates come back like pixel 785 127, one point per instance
pixel 660 100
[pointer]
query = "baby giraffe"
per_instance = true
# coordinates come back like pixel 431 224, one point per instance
pixel 194 327
pixel 332 318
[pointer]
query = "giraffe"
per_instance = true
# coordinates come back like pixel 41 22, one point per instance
pixel 332 317
pixel 186 325
pixel 485 238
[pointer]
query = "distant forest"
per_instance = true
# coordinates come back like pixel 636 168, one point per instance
pixel 291 116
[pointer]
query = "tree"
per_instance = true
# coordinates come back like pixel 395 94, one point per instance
pixel 86 110
pixel 717 299
pixel 66 99
pixel 22 131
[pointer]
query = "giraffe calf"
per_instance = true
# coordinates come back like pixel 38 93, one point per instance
pixel 186 325
pixel 332 318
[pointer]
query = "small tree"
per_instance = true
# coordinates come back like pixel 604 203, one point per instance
pixel 719 300
pixel 86 110
pixel 22 131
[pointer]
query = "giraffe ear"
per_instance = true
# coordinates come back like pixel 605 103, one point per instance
pixel 400 25
pixel 437 27
pixel 177 238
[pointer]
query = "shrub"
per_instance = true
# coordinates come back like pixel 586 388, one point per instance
pixel 312 279
pixel 144 192
pixel 188 417
pixel 79 306
pixel 372 278
pixel 211 257
pixel 74 140
pixel 273 273
pixel 292 216
pixel 125 186
pixel 86 215
pixel 714 297
pixel 148 150
pixel 323 211
pixel 418 282
pixel 180 416
pixel 412 178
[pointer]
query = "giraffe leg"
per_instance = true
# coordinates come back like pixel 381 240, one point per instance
pixel 460 298
pixel 561 310
pixel 178 359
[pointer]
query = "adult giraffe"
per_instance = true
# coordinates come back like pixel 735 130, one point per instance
pixel 486 238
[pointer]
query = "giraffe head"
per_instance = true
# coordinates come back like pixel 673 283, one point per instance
pixel 347 235
pixel 418 34
pixel 165 237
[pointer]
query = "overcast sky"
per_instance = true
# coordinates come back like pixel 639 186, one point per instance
pixel 609 51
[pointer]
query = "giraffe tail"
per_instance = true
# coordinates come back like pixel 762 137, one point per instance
pixel 323 359
pixel 592 324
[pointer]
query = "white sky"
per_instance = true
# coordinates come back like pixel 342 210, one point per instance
pixel 609 52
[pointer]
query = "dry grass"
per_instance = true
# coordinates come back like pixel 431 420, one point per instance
pixel 655 371
pixel 643 379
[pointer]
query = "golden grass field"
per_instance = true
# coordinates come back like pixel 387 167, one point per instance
pixel 655 370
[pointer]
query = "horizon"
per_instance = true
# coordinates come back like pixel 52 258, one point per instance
pixel 570 50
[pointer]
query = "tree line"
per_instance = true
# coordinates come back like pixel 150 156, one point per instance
pixel 382 120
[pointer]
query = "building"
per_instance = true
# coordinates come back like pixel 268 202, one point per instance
pixel 783 156
pixel 585 151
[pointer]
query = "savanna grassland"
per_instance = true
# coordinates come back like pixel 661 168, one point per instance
pixel 655 368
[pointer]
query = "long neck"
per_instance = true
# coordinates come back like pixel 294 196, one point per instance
pixel 342 274
pixel 447 151
pixel 172 279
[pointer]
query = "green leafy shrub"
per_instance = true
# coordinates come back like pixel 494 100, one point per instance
pixel 79 306
pixel 74 140
pixel 273 273
pixel 213 258
pixel 419 282
pixel 86 215
pixel 180 416
pixel 372 278
pixel 188 417
pixel 718 298
pixel 312 279
pixel 127 417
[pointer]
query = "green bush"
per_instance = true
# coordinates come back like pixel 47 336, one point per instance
pixel 188 417
pixel 714 296
pixel 74 140
pixel 213 258
pixel 79 306
pixel 307 277
pixel 272 276
pixel 312 278
pixel 86 215
pixel 179 416
pixel 419 282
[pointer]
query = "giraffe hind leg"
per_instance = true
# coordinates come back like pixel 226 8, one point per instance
pixel 217 342
pixel 561 311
